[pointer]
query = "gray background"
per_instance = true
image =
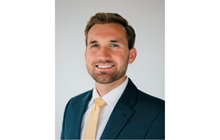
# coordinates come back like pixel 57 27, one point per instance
pixel 71 76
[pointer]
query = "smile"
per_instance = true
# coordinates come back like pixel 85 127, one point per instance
pixel 104 67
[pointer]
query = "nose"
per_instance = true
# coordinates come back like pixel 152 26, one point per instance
pixel 104 52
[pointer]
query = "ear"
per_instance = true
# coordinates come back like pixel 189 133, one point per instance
pixel 133 54
pixel 85 53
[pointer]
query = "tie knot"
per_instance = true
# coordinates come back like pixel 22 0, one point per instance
pixel 100 102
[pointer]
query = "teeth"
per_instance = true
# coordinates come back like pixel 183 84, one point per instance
pixel 105 66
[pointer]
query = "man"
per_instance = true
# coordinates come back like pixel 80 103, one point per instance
pixel 114 108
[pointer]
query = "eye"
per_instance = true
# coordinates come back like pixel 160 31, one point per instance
pixel 114 45
pixel 95 45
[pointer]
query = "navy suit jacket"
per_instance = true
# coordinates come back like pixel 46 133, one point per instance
pixel 136 115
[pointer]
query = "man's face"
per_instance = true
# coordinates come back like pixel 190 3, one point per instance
pixel 107 54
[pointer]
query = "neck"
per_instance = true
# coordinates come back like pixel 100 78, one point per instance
pixel 103 89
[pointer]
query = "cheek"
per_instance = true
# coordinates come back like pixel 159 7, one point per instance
pixel 121 59
pixel 89 58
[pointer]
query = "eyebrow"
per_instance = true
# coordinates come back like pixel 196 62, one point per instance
pixel 92 42
pixel 114 41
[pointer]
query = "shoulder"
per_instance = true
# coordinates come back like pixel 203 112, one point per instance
pixel 77 99
pixel 142 100
pixel 80 96
pixel 150 103
pixel 149 99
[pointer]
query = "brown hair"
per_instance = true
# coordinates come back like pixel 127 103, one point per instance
pixel 102 18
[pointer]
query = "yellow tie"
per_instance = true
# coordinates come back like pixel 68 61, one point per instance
pixel 91 127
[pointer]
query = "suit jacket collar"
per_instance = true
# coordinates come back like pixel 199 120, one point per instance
pixel 121 113
pixel 129 95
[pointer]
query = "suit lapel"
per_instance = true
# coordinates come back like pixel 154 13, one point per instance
pixel 121 113
pixel 81 108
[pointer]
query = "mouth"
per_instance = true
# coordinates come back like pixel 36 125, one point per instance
pixel 104 67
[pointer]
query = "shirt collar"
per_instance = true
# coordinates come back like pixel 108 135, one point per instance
pixel 112 97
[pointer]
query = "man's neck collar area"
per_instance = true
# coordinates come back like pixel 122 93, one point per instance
pixel 106 91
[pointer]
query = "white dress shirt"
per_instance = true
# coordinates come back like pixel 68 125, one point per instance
pixel 111 98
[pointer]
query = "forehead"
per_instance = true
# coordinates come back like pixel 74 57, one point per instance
pixel 107 31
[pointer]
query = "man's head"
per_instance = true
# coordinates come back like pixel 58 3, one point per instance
pixel 103 18
pixel 107 53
